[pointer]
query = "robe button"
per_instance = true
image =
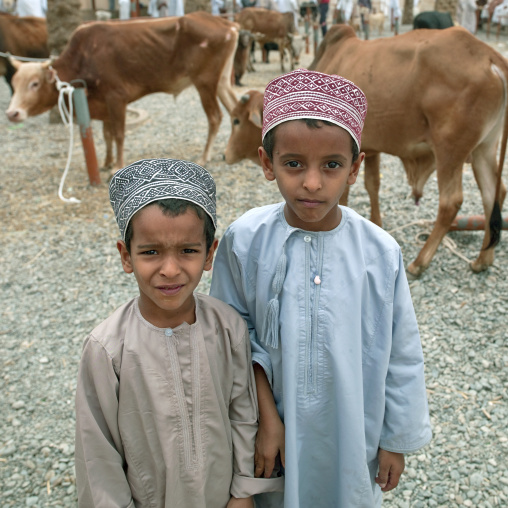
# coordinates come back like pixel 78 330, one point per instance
pixel 168 332
pixel 307 238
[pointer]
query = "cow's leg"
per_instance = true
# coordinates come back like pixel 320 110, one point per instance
pixel 449 179
pixel 281 51
pixel 108 139
pixel 224 89
pixel 253 53
pixel 116 112
pixel 213 113
pixel 485 172
pixel 372 184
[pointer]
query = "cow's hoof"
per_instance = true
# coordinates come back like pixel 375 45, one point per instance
pixel 111 173
pixel 478 267
pixel 413 271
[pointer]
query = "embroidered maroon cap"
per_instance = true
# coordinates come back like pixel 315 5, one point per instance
pixel 310 94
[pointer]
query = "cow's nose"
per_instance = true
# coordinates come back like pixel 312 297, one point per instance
pixel 12 115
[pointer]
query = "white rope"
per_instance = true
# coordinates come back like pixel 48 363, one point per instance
pixel 23 58
pixel 66 89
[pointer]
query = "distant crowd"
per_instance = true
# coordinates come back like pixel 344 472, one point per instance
pixel 363 15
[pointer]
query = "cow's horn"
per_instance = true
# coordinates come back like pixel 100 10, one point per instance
pixel 15 63
pixel 244 98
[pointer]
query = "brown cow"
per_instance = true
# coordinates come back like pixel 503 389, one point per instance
pixel 436 98
pixel 121 61
pixel 27 37
pixel 273 26
pixel 246 125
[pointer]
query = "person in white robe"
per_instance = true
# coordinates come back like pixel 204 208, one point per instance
pixel 36 8
pixel 332 326
pixel 395 15
pixel 217 6
pixel 289 6
pixel 166 411
pixel 162 8
pixel 346 9
pixel 466 14
pixel 124 9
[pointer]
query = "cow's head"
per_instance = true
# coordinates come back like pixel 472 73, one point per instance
pixel 8 5
pixel 296 47
pixel 246 125
pixel 335 36
pixel 245 38
pixel 34 90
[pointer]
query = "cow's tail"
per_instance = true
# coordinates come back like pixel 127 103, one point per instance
pixel 496 221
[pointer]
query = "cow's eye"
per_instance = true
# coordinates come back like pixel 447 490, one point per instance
pixel 34 85
pixel 236 121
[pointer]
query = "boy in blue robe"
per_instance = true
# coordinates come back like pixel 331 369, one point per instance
pixel 335 344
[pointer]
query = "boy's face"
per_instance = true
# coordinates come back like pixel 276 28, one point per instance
pixel 312 167
pixel 168 256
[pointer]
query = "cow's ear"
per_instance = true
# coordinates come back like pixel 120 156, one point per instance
pixel 50 75
pixel 256 118
pixel 15 63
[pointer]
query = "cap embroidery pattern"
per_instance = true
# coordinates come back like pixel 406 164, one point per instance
pixel 149 180
pixel 309 94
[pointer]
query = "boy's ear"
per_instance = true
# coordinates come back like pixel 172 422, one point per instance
pixel 355 168
pixel 124 256
pixel 209 256
pixel 266 164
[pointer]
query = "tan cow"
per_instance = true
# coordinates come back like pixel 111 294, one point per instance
pixel 436 98
pixel 121 61
pixel 246 125
pixel 26 37
pixel 273 26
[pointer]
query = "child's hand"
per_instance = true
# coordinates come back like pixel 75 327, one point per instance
pixel 245 502
pixel 391 466
pixel 269 444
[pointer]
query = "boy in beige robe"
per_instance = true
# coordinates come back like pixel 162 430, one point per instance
pixel 166 411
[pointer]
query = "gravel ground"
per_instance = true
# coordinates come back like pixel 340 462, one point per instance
pixel 61 276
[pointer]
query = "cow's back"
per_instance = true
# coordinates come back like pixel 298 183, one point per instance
pixel 110 54
pixel 268 22
pixel 23 36
pixel 400 65
pixel 405 76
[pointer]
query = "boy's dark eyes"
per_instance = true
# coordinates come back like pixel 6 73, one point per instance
pixel 153 252
pixel 328 165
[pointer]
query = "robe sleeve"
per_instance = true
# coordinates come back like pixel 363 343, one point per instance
pixel 100 475
pixel 406 425
pixel 230 283
pixel 243 415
